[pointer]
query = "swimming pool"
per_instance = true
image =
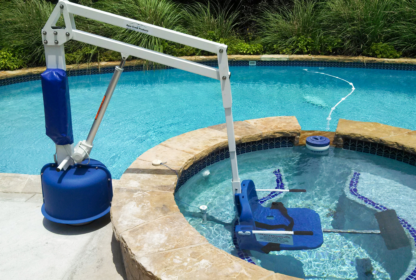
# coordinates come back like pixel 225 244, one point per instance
pixel 150 107
pixel 327 180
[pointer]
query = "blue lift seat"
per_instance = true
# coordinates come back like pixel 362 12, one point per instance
pixel 252 216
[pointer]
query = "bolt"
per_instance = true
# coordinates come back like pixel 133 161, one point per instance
pixel 221 51
pixel 109 179
pixel 62 6
pixel 44 33
pixel 224 78
pixel 96 167
pixel 67 34
pixel 56 42
pixel 55 33
pixel 45 41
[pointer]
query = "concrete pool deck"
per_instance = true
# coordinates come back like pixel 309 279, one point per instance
pixel 35 248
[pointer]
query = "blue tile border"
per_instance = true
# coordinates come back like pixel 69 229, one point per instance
pixel 279 186
pixel 354 191
pixel 222 154
pixel 379 149
pixel 104 70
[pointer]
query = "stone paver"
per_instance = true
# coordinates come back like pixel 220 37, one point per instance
pixel 145 176
pixel 10 182
pixel 199 142
pixel 394 137
pixel 277 126
pixel 166 233
pixel 133 207
pixel 244 131
pixel 200 262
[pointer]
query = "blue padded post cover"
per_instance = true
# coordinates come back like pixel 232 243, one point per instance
pixel 58 120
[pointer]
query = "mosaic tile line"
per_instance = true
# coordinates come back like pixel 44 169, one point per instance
pixel 104 70
pixel 354 191
pixel 379 149
pixel 242 148
pixel 279 186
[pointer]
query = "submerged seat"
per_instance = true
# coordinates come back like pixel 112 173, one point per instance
pixel 304 223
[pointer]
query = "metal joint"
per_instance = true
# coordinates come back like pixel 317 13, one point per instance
pixel 45 41
pixel 67 34
pixel 56 42
pixel 224 77
pixel 44 33
pixel 221 50
pixel 62 6
pixel 55 33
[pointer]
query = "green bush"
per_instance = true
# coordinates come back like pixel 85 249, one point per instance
pixel 290 30
pixel 21 23
pixel 359 23
pixel 382 50
pixel 211 21
pixel 245 48
pixel 10 61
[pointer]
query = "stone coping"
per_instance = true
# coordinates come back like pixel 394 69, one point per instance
pixel 274 57
pixel 375 138
pixel 156 240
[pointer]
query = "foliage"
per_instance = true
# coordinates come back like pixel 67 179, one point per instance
pixel 359 23
pixel 380 28
pixel 382 50
pixel 21 22
pixel 212 21
pixel 10 61
pixel 245 48
pixel 290 30
pixel 404 29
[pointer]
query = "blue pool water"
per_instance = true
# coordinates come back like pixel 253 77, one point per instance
pixel 327 181
pixel 150 107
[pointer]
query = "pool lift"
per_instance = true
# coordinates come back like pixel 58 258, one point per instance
pixel 77 189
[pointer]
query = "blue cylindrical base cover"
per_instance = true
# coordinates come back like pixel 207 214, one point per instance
pixel 80 194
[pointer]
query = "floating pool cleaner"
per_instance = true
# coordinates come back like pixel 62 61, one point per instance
pixel 318 145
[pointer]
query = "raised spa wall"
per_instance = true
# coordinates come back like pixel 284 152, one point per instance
pixel 155 238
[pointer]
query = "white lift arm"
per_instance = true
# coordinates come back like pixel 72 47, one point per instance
pixel 54 39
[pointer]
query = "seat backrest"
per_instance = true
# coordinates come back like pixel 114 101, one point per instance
pixel 247 202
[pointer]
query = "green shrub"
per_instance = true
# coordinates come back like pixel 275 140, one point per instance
pixel 21 23
pixel 290 29
pixel 359 23
pixel 212 21
pixel 245 48
pixel 10 61
pixel 382 50
pixel 403 30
